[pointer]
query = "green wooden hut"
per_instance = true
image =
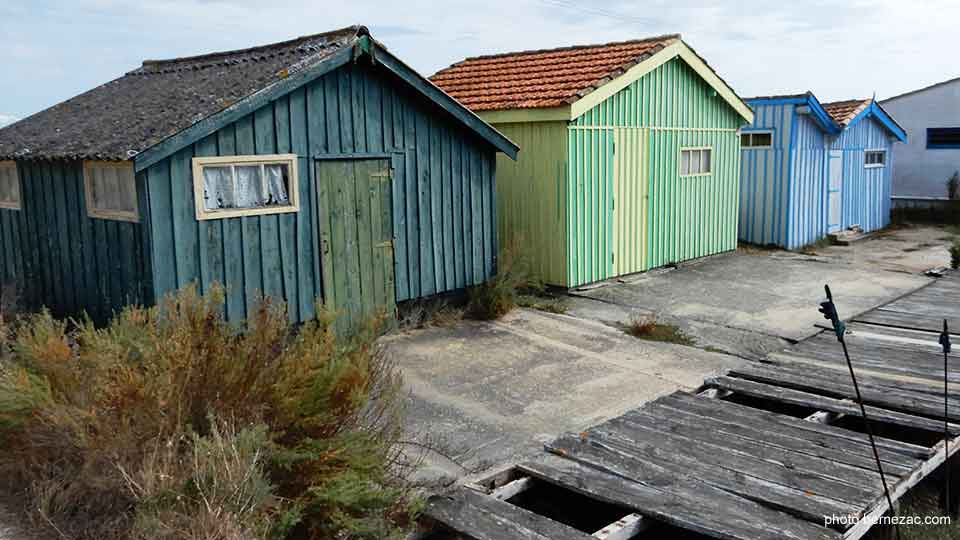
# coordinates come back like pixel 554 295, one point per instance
pixel 318 168
pixel 630 154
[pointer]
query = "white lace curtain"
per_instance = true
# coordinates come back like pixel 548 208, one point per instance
pixel 245 186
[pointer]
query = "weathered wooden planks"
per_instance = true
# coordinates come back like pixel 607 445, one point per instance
pixel 821 434
pixel 804 399
pixel 690 505
pixel 790 469
pixel 662 465
pixel 486 518
pixel 838 450
pixel 873 391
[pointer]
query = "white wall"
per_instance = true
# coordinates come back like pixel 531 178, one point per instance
pixel 919 172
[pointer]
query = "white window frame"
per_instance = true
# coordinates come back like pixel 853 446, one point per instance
pixel 101 213
pixel 293 189
pixel 16 204
pixel 881 151
pixel 693 149
pixel 756 132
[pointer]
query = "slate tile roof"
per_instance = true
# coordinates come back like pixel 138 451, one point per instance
pixel 543 78
pixel 844 111
pixel 123 117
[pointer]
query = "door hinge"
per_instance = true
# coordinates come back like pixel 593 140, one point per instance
pixel 383 175
pixel 385 245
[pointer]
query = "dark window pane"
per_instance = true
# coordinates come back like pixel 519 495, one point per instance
pixel 943 137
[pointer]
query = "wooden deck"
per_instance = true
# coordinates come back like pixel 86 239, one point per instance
pixel 765 451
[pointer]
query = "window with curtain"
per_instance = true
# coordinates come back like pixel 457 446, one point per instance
pixel 695 161
pixel 9 186
pixel 110 189
pixel 231 186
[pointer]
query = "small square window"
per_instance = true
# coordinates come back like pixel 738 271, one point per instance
pixel 110 190
pixel 756 139
pixel 245 185
pixel 874 158
pixel 695 161
pixel 9 186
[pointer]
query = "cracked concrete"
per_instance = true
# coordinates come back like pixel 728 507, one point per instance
pixel 495 391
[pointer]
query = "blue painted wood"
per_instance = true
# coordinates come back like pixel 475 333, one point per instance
pixel 783 189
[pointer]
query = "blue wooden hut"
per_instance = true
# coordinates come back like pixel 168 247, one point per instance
pixel 317 168
pixel 809 169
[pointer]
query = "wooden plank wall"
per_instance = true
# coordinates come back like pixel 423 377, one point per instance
pixel 63 259
pixel 443 195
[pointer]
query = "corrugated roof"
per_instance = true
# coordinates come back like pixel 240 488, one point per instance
pixel 123 117
pixel 843 112
pixel 543 78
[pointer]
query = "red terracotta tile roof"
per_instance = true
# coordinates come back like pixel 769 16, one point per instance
pixel 544 78
pixel 845 111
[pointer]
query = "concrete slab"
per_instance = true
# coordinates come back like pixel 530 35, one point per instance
pixel 495 391
pixel 766 292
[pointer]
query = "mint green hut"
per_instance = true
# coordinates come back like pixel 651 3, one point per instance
pixel 630 156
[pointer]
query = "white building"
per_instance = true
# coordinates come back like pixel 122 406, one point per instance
pixel 931 118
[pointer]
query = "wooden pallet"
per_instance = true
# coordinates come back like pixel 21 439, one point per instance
pixel 729 462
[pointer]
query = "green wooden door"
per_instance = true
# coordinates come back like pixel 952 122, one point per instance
pixel 356 238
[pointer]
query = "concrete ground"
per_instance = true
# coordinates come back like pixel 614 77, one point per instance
pixel 492 392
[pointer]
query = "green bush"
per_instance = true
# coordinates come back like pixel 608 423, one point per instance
pixel 170 423
pixel 955 254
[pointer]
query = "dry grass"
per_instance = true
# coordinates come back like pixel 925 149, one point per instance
pixel 501 294
pixel 647 327
pixel 170 423
pixel 430 313
pixel 544 302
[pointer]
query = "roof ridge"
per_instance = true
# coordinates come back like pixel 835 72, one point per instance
pixel 663 37
pixel 359 30
pixel 854 100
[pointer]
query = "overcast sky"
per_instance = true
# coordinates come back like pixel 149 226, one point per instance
pixel 53 50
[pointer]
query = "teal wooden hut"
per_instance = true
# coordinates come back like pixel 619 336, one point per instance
pixel 317 168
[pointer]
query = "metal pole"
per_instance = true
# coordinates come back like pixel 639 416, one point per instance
pixel 945 343
pixel 829 310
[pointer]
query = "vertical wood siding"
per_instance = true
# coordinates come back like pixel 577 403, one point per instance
pixel 63 259
pixel 686 217
pixel 866 192
pixel 531 196
pixel 807 210
pixel 443 196
pixel 765 178
pixel 782 190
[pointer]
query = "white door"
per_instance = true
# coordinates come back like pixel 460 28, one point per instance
pixel 834 190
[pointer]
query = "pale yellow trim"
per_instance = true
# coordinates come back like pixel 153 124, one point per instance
pixel 520 116
pixel 100 213
pixel 293 189
pixel 677 48
pixel 16 204
pixel 692 149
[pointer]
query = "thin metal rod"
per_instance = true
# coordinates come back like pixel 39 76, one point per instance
pixel 829 311
pixel 945 343
pixel 866 423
